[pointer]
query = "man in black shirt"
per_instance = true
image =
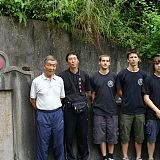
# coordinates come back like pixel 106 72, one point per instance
pixel 77 86
pixel 105 123
pixel 129 85
pixel 152 99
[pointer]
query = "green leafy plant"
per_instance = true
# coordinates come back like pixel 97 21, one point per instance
pixel 129 23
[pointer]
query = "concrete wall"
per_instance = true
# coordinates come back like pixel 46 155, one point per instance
pixel 25 47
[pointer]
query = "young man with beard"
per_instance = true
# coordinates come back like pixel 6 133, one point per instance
pixel 152 99
pixel 77 86
pixel 105 119
pixel 129 85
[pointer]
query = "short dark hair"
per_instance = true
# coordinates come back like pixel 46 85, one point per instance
pixel 131 51
pixel 104 55
pixel 156 59
pixel 49 57
pixel 71 53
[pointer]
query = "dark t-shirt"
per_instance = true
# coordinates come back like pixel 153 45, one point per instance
pixel 105 91
pixel 73 83
pixel 131 85
pixel 152 88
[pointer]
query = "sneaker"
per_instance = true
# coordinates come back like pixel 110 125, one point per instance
pixel 110 159
pixel 138 158
pixel 125 158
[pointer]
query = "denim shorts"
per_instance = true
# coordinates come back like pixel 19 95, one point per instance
pixel 151 129
pixel 105 129
pixel 126 123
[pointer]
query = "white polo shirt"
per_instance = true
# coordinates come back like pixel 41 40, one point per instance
pixel 47 92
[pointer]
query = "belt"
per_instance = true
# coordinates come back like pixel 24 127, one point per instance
pixel 49 111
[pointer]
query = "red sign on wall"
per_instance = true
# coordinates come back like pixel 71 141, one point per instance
pixel 2 63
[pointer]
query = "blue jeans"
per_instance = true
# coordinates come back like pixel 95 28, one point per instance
pixel 152 129
pixel 50 129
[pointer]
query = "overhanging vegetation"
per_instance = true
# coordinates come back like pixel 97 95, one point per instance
pixel 130 23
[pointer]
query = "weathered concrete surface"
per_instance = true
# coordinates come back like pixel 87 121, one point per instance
pixel 29 45
pixel 17 116
pixel 26 47
pixel 6 129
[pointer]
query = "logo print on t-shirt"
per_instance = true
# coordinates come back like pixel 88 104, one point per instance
pixel 110 83
pixel 140 81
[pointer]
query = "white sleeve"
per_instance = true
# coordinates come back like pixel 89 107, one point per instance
pixel 62 89
pixel 33 91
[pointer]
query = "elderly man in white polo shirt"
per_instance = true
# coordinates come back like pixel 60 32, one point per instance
pixel 45 96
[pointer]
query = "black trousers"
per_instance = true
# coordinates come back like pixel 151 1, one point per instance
pixel 76 124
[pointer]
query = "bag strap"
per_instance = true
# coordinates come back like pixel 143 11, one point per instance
pixel 71 80
pixel 79 82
